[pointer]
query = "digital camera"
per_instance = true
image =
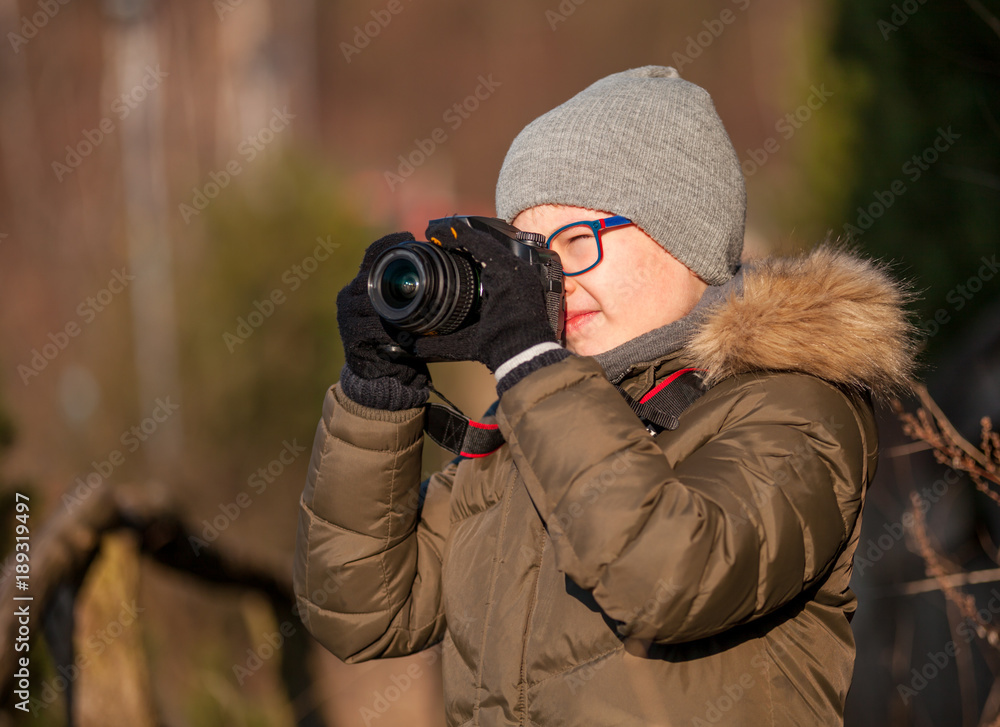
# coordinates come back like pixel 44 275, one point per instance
pixel 425 289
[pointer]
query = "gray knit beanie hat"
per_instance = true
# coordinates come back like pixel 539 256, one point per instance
pixel 645 144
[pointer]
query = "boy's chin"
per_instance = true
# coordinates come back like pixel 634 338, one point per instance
pixel 586 347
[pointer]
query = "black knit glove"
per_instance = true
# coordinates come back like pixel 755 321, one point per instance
pixel 368 378
pixel 513 336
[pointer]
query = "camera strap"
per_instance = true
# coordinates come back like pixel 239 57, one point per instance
pixel 454 431
pixel 659 409
pixel 662 406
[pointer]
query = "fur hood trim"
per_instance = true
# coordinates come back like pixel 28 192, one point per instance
pixel 830 313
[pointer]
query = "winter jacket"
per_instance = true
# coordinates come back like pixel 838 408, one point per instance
pixel 590 573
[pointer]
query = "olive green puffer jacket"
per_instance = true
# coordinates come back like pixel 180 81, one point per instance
pixel 590 573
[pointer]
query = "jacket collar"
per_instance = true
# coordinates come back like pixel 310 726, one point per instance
pixel 830 313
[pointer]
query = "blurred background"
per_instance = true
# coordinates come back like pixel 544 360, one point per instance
pixel 185 186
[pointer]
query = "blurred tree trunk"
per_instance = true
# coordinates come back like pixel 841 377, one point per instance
pixel 113 687
pixel 145 196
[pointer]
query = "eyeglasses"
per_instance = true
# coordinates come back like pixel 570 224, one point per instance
pixel 579 246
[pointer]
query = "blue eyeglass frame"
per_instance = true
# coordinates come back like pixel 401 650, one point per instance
pixel 598 226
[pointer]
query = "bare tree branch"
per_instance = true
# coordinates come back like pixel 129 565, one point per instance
pixel 63 551
pixel 989 18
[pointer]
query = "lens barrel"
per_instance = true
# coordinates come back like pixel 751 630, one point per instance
pixel 423 288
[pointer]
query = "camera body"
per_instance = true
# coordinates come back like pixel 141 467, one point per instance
pixel 425 289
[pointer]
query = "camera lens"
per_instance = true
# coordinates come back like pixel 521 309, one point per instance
pixel 400 282
pixel 423 288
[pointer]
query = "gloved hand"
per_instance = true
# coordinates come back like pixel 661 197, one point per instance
pixel 513 336
pixel 368 378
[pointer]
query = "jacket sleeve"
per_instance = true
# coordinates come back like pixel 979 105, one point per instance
pixel 368 552
pixel 760 509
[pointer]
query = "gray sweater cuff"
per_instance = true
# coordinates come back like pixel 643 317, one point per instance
pixel 386 392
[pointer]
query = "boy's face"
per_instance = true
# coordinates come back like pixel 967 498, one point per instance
pixel 637 287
